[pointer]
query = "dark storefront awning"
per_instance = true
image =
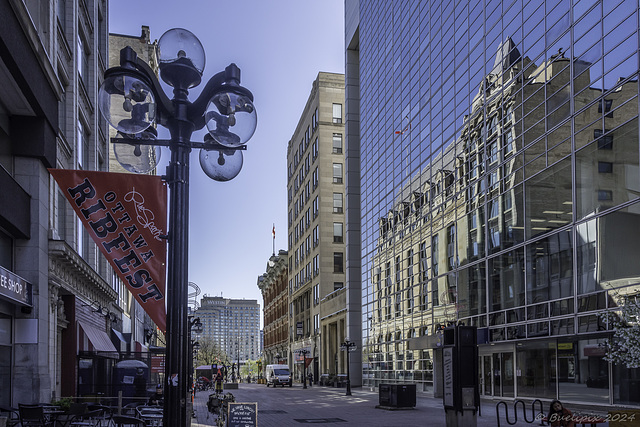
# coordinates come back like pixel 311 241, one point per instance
pixel 98 339
pixel 119 336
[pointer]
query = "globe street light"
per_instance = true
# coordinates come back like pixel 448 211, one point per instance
pixel 132 101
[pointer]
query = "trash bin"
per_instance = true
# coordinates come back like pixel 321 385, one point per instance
pixel 397 395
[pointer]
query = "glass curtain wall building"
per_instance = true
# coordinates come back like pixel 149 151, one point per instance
pixel 500 187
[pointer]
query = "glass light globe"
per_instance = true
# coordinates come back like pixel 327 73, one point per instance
pixel 181 57
pixel 221 164
pixel 231 118
pixel 138 158
pixel 127 103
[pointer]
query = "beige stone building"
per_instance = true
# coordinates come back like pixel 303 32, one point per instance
pixel 148 52
pixel 316 227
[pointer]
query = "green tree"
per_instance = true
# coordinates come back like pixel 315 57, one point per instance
pixel 249 368
pixel 623 347
pixel 209 353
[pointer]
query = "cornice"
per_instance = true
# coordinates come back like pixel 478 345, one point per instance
pixel 72 273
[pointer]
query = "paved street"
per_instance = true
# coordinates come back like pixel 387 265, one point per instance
pixel 324 405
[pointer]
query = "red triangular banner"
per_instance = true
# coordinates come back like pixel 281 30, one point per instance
pixel 126 215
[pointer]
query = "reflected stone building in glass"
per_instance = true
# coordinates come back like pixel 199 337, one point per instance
pixel 500 188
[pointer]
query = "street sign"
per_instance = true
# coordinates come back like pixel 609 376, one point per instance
pixel 242 414
pixel 299 329
pixel 352 348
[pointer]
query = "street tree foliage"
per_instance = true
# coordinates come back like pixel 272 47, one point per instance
pixel 623 347
pixel 209 352
pixel 249 368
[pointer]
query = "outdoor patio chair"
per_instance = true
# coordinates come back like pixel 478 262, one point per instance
pixel 33 416
pixel 125 421
pixel 88 419
pixel 13 418
pixel 105 417
pixel 78 408
pixel 130 408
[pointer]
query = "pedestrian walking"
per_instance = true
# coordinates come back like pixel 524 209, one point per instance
pixel 219 382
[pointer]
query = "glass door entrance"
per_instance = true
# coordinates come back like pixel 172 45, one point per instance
pixel 497 374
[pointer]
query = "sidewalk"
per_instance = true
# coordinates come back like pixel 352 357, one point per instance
pixel 286 406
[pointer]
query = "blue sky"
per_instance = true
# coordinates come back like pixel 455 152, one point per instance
pixel 280 46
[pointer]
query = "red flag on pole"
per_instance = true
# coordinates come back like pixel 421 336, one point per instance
pixel 307 361
pixel 274 231
pixel 126 215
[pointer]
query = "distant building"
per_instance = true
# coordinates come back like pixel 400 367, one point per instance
pixel 233 325
pixel 316 217
pixel 275 297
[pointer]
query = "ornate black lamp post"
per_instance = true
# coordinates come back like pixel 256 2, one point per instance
pixel 303 352
pixel 195 327
pixel 132 100
pixel 348 346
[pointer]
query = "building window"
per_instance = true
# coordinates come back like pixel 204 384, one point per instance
pixel 423 261
pixel 83 62
pixel 316 207
pixel 605 142
pixel 338 262
pixel 434 255
pixel 605 195
pixel 61 13
pixel 605 167
pixel 337 113
pixel 82 147
pixel 337 143
pixel 451 246
pixel 337 203
pixel 337 232
pixel 337 173
pixel 316 237
pixel 315 149
pixel 606 103
pixel 338 285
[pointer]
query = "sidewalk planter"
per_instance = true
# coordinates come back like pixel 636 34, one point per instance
pixel 397 395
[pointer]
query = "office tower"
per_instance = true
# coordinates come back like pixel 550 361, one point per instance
pixel 499 176
pixel 232 325
pixel 316 194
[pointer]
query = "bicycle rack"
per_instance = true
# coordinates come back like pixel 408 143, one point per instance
pixel 515 411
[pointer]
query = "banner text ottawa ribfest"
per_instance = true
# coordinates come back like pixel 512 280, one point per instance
pixel 126 216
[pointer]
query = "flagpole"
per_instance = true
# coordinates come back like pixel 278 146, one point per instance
pixel 274 239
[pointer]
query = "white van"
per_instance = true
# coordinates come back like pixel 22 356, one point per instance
pixel 278 375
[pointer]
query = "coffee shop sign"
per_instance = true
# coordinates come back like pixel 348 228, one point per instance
pixel 15 288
